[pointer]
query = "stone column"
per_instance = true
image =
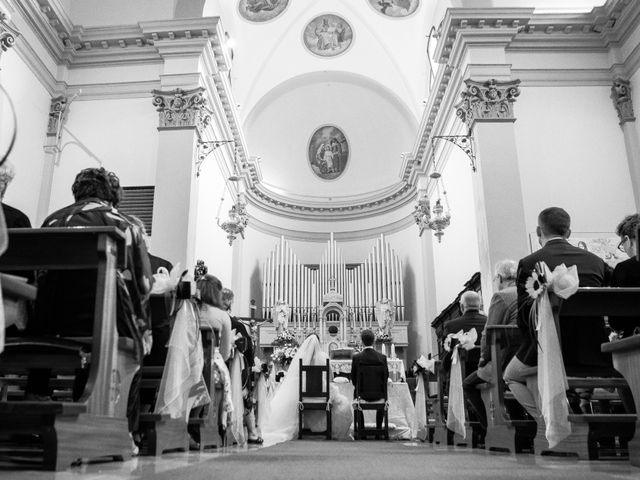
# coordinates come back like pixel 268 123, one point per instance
pixel 487 109
pixel 427 308
pixel 182 114
pixel 58 113
pixel 621 96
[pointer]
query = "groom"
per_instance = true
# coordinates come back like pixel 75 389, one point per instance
pixel 368 356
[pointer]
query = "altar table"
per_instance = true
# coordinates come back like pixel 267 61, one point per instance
pixel 402 412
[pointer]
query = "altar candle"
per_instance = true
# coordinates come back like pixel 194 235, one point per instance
pixel 393 351
pixel 384 349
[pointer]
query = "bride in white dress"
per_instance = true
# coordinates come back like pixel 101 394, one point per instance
pixel 281 423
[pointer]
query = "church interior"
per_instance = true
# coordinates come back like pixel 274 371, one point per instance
pixel 340 166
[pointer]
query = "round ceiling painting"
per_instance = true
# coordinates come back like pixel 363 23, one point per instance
pixel 395 8
pixel 328 35
pixel 328 152
pixel 261 10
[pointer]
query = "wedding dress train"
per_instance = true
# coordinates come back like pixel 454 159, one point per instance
pixel 281 423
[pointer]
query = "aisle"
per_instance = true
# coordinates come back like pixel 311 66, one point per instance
pixel 319 459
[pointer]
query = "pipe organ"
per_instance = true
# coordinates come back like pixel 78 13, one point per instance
pixel 352 290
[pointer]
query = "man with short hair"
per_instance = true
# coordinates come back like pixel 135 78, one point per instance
pixel 471 317
pixel 580 340
pixel 502 311
pixel 368 356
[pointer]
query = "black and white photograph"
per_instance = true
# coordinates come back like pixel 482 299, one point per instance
pixel 319 239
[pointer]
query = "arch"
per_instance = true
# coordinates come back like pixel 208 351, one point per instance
pixel 336 76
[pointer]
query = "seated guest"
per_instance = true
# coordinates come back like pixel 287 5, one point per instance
pixel 502 311
pixel 13 217
pixel 71 294
pixel 212 312
pixel 627 273
pixel 159 307
pixel 471 317
pixel 244 347
pixel 368 356
pixel 580 340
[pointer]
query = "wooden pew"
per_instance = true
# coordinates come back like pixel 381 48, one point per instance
pixel 588 429
pixel 504 433
pixel 205 426
pixel 626 359
pixel 159 432
pixel 96 424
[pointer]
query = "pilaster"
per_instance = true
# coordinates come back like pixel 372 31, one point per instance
pixel 58 114
pixel 621 97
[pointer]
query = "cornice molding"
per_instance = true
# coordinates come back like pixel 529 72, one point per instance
pixel 308 236
pixel 397 196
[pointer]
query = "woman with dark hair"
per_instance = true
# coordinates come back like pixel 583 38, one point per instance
pixel 627 273
pixel 212 312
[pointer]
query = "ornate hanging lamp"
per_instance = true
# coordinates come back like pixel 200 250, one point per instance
pixel 435 218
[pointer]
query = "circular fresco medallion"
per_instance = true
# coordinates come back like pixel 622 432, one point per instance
pixel 328 35
pixel 261 10
pixel 328 152
pixel 395 8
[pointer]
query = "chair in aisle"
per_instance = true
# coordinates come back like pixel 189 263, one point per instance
pixel 314 381
pixel 371 394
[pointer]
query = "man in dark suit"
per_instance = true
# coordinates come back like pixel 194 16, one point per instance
pixel 471 318
pixel 580 340
pixel 368 356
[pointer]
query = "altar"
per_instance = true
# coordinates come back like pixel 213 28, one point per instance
pixel 396 368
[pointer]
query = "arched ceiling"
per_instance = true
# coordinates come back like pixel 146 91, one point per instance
pixel 373 92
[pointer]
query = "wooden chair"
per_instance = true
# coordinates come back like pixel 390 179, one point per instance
pixel 371 384
pixel 95 425
pixel 314 382
pixel 589 429
pixel 504 432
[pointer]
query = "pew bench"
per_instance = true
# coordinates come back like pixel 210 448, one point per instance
pixel 95 425
pixel 204 426
pixel 159 432
pixel 504 432
pixel 626 359
pixel 589 429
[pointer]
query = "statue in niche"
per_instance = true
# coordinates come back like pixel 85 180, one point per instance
pixel 385 312
pixel 280 315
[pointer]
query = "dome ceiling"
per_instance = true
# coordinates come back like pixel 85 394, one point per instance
pixel 343 71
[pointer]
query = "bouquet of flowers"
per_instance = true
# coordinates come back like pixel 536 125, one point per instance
pixel 285 346
pixel 382 336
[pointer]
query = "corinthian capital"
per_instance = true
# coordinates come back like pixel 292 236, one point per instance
pixel 182 108
pixel 490 101
pixel 57 114
pixel 621 96
pixel 7 33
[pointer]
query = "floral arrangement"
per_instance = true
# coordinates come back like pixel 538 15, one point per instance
pixel 383 337
pixel 285 346
pixel 423 365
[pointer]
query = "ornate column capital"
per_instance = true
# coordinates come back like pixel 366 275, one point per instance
pixel 57 115
pixel 490 101
pixel 621 96
pixel 7 34
pixel 182 108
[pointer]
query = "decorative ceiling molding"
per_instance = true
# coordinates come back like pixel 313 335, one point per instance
pixel 521 30
pixel 404 223
pixel 361 207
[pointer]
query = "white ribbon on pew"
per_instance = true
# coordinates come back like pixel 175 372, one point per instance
pixel 421 408
pixel 455 407
pixel 4 243
pixel 552 377
pixel 182 386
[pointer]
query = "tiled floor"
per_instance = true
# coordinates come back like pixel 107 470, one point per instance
pixel 353 460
